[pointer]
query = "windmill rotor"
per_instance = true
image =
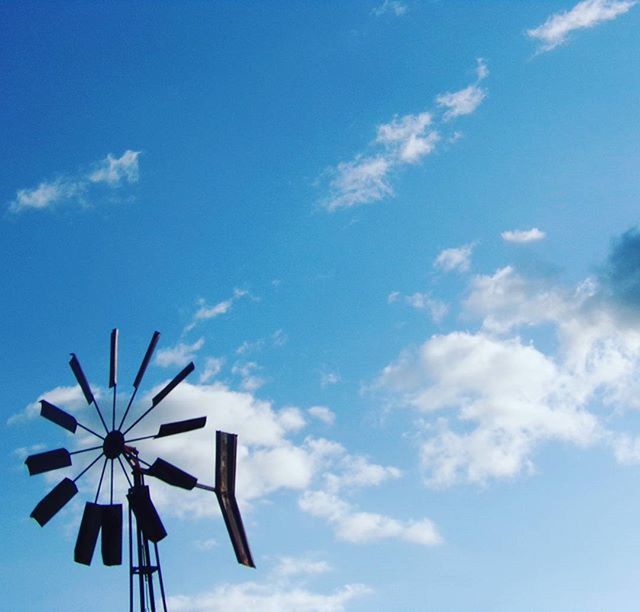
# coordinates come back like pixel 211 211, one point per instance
pixel 114 449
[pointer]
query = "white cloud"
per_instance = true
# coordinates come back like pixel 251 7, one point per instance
pixel 360 181
pixel 482 70
pixel 46 194
pixel 436 309
pixel 212 367
pixel 463 102
pixel 206 312
pixel 300 566
pixel 403 141
pixel 329 377
pixel 352 525
pixel 246 371
pixel 266 598
pixel 113 170
pixel 455 258
pixel 322 413
pixel 76 188
pixel 178 355
pixel 586 14
pixel 522 236
pixel 467 100
pixel 490 399
pixel 206 545
pixel 69 399
pixel 356 471
pixel 407 138
pixel 390 6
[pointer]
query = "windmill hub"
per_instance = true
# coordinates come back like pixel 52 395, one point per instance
pixel 113 444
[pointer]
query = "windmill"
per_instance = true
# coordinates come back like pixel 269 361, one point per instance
pixel 115 448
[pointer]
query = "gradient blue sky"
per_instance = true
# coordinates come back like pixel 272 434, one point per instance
pixel 399 241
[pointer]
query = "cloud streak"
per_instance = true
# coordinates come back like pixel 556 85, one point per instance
pixel 404 141
pixel 586 14
pixel 523 236
pixel 78 188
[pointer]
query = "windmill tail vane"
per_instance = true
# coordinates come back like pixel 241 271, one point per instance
pixel 114 452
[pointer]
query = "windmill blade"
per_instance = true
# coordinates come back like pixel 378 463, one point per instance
pixel 112 534
pixel 177 427
pixel 169 473
pixel 113 361
pixel 81 378
pixel 45 462
pixel 177 379
pixel 235 528
pixel 54 501
pixel 57 416
pixel 146 514
pixel 146 359
pixel 226 446
pixel 88 533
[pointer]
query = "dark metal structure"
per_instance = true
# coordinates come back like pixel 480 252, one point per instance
pixel 116 450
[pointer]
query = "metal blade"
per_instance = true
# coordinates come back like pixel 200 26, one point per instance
pixel 169 473
pixel 226 447
pixel 146 359
pixel 235 528
pixel 88 533
pixel 81 378
pixel 45 462
pixel 146 515
pixel 177 427
pixel 113 362
pixel 112 534
pixel 54 501
pixel 177 379
pixel 57 416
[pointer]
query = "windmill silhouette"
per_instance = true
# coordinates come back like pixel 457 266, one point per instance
pixel 115 449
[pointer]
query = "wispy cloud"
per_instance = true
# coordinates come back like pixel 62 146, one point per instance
pixel 212 367
pixel 586 14
pixel 178 355
pixel 114 170
pixel 78 188
pixel 523 236
pixel 249 381
pixel 355 526
pixel 436 309
pixel 405 140
pixel 266 598
pixel 458 258
pixel 205 311
pixel 395 7
pixel 467 100
pixel 329 377
pixel 322 413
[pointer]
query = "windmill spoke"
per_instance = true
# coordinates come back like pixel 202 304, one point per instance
pixel 86 450
pixel 104 467
pixel 125 472
pixel 170 386
pixel 143 368
pixel 88 467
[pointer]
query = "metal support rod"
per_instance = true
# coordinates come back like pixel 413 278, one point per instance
pixel 145 567
pixel 130 560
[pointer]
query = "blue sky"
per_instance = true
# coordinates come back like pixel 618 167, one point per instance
pixel 399 241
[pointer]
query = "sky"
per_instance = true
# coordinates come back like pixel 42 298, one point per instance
pixel 398 239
